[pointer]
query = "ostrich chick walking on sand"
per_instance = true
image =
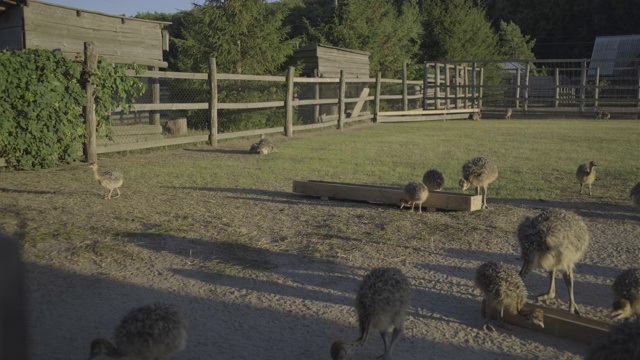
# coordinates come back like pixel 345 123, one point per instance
pixel 111 180
pixel 415 193
pixel 381 303
pixel 555 240
pixel 504 289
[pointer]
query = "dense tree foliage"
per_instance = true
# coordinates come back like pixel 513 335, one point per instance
pixel 512 44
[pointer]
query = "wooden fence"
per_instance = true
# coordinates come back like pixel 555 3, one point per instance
pixel 445 92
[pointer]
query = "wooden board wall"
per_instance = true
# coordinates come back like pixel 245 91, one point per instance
pixel 11 29
pixel 330 60
pixel 119 39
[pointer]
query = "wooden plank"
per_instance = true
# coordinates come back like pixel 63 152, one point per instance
pixel 385 195
pixel 316 80
pixel 150 144
pixel 358 107
pixel 251 77
pixel 248 133
pixel 169 75
pixel 395 119
pixel 170 106
pixel 256 105
pixel 429 112
pixel 561 323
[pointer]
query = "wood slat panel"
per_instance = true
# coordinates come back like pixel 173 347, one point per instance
pixel 169 75
pixel 392 119
pixel 172 106
pixel 251 77
pixel 248 133
pixel 257 105
pixel 385 195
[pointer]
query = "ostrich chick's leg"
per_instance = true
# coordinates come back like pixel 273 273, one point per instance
pixel 487 316
pixel 568 280
pixel 502 323
pixel 552 288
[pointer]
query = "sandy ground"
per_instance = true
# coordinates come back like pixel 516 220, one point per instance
pixel 264 299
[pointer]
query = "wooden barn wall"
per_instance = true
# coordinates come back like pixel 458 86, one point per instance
pixel 117 39
pixel 11 29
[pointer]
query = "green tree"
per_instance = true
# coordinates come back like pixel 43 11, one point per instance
pixel 512 44
pixel 390 35
pixel 457 30
pixel 245 36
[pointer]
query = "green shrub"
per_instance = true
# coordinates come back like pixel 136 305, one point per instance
pixel 41 104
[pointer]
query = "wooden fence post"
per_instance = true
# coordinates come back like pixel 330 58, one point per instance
pixel 288 103
pixel 456 103
pixel 447 84
pixel 518 86
pixel 525 107
pixel 583 85
pixel 154 115
pixel 90 67
pixel 481 92
pixel 13 312
pixel 436 93
pixel 405 101
pixel 557 93
pixel 425 86
pixel 213 103
pixel 638 100
pixel 341 100
pixel 376 97
pixel 316 96
pixel 596 90
pixel 474 95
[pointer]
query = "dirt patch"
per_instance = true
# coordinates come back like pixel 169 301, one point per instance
pixel 261 273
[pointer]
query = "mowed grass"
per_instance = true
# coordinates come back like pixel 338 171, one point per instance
pixel 226 194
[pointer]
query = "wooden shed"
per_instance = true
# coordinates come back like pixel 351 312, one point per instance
pixel 327 61
pixel 26 24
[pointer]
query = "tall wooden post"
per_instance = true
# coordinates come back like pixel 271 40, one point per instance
pixel 154 115
pixel 316 96
pixel 13 312
pixel 341 101
pixel 90 67
pixel 425 86
pixel 447 84
pixel 596 89
pixel 466 87
pixel 213 103
pixel 481 92
pixel 437 87
pixel 405 100
pixel 376 97
pixel 457 82
pixel 638 100
pixel 526 87
pixel 557 93
pixel 288 103
pixel 518 88
pixel 474 95
pixel 583 85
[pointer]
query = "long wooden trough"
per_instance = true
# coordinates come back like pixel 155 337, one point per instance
pixel 560 322
pixel 385 195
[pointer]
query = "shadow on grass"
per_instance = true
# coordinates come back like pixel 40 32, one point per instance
pixel 221 151
pixel 19 191
pixel 585 209
pixel 287 198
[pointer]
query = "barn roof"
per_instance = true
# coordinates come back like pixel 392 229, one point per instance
pixel 621 47
pixel 5 4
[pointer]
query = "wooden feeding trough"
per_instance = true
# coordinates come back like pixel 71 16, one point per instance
pixel 560 322
pixel 385 195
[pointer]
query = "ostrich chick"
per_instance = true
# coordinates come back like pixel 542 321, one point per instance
pixel 381 303
pixel 635 194
pixel 507 113
pixel 504 289
pixel 554 240
pixel 111 180
pixel 433 179
pixel 263 147
pixel 149 332
pixel 415 193
pixel 621 343
pixel 586 175
pixel 626 295
pixel 478 172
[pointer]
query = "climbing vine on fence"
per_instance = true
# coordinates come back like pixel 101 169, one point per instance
pixel 41 104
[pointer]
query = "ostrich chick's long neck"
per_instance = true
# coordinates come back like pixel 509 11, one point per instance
pixel 96 175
